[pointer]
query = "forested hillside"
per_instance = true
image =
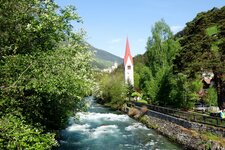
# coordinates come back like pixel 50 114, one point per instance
pixel 202 41
pixel 104 59
pixel 203 48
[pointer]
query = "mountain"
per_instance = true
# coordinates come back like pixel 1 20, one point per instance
pixel 104 59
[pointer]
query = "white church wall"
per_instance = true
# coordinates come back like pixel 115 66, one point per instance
pixel 129 73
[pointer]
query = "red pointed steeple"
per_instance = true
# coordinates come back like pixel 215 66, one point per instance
pixel 127 53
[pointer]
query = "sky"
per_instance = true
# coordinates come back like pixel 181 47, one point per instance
pixel 109 22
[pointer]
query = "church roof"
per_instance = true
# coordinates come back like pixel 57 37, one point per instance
pixel 127 53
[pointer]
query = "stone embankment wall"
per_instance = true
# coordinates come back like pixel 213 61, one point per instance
pixel 188 124
pixel 191 135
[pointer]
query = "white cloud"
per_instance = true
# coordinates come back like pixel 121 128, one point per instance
pixel 176 29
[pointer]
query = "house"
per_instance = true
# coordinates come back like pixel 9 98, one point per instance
pixel 207 79
pixel 111 69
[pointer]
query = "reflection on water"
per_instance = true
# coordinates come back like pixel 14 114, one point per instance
pixel 101 128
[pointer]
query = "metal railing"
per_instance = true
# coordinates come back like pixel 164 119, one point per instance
pixel 194 117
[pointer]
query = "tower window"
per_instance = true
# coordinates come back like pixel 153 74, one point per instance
pixel 128 67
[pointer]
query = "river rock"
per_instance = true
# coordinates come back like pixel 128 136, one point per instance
pixel 133 112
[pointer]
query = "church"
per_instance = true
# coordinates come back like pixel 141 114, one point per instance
pixel 128 65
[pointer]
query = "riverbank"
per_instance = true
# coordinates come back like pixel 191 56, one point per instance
pixel 191 139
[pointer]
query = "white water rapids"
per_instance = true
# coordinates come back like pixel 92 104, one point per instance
pixel 103 129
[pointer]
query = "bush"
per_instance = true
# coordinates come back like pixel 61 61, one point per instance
pixel 112 90
pixel 17 134
pixel 211 97
pixel 183 92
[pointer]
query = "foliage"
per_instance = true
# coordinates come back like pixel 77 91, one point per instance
pixel 112 89
pixel 183 92
pixel 159 46
pixel 212 30
pixel 47 92
pixel 44 70
pixel 198 37
pixel 136 81
pixel 130 90
pixel 33 26
pixel 202 49
pixel 197 85
pixel 18 134
pixel 136 94
pixel 170 74
pixel 211 97
pixel 145 82
pixel 161 49
pixel 138 67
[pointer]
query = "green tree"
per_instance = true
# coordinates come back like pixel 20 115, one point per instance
pixel 45 70
pixel 161 50
pixel 137 74
pixel 183 93
pixel 211 97
pixel 112 89
pixel 203 43
pixel 16 133
pixel 130 90
pixel 29 26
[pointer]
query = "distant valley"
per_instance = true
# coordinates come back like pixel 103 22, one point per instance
pixel 104 59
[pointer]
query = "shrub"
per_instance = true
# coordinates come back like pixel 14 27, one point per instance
pixel 17 134
pixel 112 90
pixel 211 97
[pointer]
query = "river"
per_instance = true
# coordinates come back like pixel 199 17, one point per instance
pixel 104 129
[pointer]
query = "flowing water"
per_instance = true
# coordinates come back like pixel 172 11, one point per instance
pixel 103 129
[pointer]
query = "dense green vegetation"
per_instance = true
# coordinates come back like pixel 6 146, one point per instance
pixel 161 49
pixel 201 49
pixel 45 72
pixel 112 90
pixel 170 72
pixel 203 44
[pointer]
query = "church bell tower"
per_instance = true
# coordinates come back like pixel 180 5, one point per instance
pixel 128 65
